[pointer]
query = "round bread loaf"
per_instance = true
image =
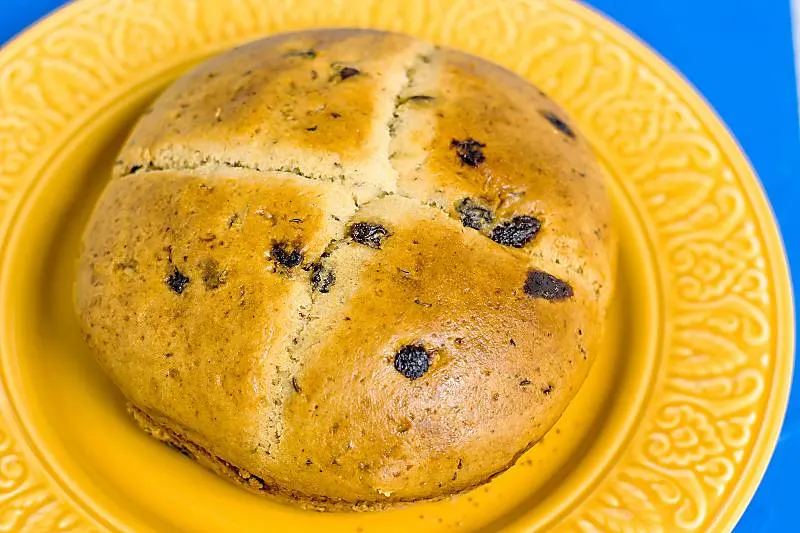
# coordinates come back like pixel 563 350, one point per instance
pixel 349 269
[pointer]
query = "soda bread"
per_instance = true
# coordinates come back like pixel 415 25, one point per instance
pixel 349 269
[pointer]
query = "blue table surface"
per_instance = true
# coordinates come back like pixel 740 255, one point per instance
pixel 738 53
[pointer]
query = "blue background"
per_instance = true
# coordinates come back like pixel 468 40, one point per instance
pixel 738 53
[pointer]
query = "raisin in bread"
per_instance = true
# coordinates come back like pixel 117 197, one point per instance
pixel 349 269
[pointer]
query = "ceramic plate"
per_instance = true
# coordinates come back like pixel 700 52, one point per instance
pixel 672 430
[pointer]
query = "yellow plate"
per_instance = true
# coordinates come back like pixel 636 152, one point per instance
pixel 671 432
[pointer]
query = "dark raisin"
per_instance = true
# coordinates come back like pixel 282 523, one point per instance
pixel 543 285
pixel 348 72
pixel 473 215
pixel 412 361
pixel 177 281
pixel 308 54
pixel 134 168
pixel 259 482
pixel 421 98
pixel 548 389
pixel 559 124
pixel 296 385
pixel 368 233
pixel 322 279
pixel 469 151
pixel 213 276
pixel 524 382
pixel 312 128
pixel 334 114
pixel 288 258
pixel 517 232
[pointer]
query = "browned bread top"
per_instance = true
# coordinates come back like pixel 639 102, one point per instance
pixel 352 265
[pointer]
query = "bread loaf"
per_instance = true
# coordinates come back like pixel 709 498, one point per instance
pixel 349 269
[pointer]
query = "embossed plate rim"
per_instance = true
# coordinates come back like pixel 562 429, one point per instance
pixel 734 506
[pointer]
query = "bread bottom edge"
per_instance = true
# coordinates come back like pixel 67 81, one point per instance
pixel 254 484
pixel 250 482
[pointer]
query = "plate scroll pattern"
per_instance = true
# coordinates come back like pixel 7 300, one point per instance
pixel 699 432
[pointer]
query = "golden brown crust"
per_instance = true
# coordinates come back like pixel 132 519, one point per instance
pixel 285 103
pixel 243 317
pixel 165 432
pixel 531 166
pixel 437 284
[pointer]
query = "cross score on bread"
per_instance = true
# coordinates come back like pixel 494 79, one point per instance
pixel 349 269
